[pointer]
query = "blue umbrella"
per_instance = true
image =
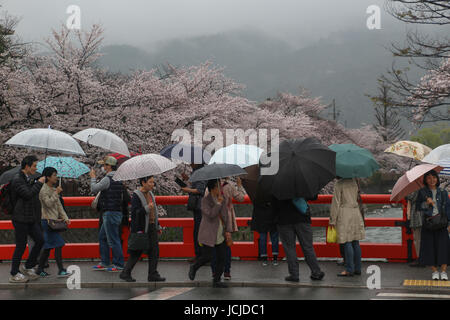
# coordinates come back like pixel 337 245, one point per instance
pixel 67 167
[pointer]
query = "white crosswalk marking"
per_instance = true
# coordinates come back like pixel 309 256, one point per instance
pixel 414 295
pixel 162 294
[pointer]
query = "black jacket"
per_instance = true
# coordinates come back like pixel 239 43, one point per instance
pixel 25 195
pixel 137 214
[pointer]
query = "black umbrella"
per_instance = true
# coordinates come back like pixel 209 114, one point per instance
pixel 186 152
pixel 216 171
pixel 305 166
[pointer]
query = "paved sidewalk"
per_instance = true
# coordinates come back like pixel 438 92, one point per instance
pixel 244 274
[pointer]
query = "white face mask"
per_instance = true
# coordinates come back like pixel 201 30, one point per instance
pixel 103 170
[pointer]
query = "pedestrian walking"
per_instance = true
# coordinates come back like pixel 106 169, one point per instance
pixel 52 209
pixel 415 218
pixel 113 205
pixel 230 191
pixel 144 220
pixel 196 193
pixel 434 204
pixel 26 219
pixel 346 217
pixel 292 225
pixel 215 228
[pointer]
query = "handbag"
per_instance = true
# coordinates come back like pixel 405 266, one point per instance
pixel 301 205
pixel 57 225
pixel 331 235
pixel 438 221
pixel 138 242
pixel 94 204
pixel 435 222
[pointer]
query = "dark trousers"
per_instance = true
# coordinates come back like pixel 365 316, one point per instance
pixel 153 254
pixel 227 266
pixel 197 221
pixel 44 258
pixel 206 256
pixel 22 230
pixel 303 232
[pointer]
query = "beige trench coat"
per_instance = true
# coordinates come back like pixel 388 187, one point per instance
pixel 344 212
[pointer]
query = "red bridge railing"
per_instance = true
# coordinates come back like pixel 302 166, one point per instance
pixel 244 249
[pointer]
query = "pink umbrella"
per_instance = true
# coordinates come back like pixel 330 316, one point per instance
pixel 412 180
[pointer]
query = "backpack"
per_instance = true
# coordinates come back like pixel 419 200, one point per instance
pixel 6 200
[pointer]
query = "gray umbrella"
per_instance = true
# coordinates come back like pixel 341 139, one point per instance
pixel 7 176
pixel 216 171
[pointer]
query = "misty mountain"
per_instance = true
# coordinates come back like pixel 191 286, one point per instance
pixel 344 66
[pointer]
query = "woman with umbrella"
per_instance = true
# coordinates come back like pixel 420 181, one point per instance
pixel 144 219
pixel 52 209
pixel 434 203
pixel 237 192
pixel 346 217
pixel 352 162
pixel 215 227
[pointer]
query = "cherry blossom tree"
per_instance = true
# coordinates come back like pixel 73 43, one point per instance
pixel 68 90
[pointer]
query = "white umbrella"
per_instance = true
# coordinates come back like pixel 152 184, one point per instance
pixel 104 139
pixel 440 156
pixel 243 155
pixel 143 166
pixel 46 140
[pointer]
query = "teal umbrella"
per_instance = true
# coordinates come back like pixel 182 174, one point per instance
pixel 67 167
pixel 353 161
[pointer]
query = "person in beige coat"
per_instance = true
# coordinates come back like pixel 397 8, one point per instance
pixel 215 228
pixel 346 217
pixel 52 209
pixel 230 191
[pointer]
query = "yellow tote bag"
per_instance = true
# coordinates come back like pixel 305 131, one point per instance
pixel 331 235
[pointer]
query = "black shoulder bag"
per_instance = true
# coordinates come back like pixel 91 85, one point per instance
pixel 439 221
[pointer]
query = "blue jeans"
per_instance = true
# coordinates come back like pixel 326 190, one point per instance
pixel 109 238
pixel 352 256
pixel 263 243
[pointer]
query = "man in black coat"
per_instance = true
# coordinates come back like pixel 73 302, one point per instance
pixel 26 219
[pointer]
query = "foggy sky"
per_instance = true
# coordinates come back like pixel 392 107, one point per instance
pixel 142 22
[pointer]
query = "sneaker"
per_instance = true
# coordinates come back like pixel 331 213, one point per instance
pixel 44 274
pixel 444 276
pixel 99 267
pixel 227 276
pixel 275 261
pixel 64 274
pixel 435 275
pixel 264 262
pixel 29 273
pixel 114 269
pixel 18 278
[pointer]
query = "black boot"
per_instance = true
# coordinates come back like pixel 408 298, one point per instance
pixel 127 277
